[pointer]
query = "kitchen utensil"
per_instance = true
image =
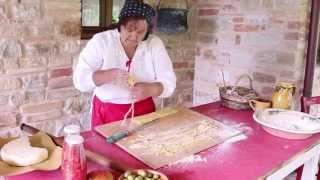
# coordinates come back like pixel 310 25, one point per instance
pixel 122 134
pixel 138 123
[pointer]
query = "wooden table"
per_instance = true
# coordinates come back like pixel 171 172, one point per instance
pixel 257 155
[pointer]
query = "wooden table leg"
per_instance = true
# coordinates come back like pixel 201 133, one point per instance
pixel 310 168
pixel 309 159
pixel 299 173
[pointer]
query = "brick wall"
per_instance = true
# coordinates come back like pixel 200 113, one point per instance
pixel 262 38
pixel 39 39
pixel 181 49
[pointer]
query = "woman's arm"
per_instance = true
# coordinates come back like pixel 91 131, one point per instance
pixel 90 60
pixel 88 74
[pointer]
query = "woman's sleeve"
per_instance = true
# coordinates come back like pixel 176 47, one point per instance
pixel 163 68
pixel 90 60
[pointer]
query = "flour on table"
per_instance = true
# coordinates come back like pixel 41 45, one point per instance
pixel 190 159
pixel 240 137
pixel 228 143
pixel 239 126
pixel 202 158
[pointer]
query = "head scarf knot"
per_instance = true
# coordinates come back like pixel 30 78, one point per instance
pixel 137 8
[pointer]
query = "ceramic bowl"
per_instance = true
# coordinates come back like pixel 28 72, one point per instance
pixel 286 135
pixel 287 124
pixel 162 176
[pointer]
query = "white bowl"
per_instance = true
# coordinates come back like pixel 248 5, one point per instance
pixel 287 124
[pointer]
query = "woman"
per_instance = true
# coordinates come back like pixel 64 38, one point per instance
pixel 111 56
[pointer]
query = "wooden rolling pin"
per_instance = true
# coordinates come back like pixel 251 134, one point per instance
pixel 93 156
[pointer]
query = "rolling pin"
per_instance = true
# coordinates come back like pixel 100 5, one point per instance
pixel 93 156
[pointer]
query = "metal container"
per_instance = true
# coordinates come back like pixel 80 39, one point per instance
pixel 172 20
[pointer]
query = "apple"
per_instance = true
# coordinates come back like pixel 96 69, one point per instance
pixel 99 175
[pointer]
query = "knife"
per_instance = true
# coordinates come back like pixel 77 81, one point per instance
pixel 93 156
pixel 140 122
pixel 124 133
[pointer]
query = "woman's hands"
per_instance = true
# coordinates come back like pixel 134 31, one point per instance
pixel 115 76
pixel 118 77
pixel 142 90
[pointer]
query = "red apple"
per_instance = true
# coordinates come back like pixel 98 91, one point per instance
pixel 99 175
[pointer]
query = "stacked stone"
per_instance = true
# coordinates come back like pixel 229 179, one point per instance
pixel 39 40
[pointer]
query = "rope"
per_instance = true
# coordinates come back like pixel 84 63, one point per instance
pixel 125 121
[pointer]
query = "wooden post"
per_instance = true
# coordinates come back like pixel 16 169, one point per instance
pixel 312 48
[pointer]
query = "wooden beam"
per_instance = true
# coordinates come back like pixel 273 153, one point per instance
pixel 105 12
pixel 312 48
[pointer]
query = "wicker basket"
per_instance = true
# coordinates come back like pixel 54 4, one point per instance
pixel 237 97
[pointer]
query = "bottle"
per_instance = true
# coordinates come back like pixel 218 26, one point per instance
pixel 74 166
pixel 71 129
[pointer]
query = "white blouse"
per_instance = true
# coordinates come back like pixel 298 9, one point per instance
pixel 151 63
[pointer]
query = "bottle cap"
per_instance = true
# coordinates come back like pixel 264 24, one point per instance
pixel 71 129
pixel 74 139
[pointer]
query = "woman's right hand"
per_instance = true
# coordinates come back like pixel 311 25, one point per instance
pixel 120 78
pixel 115 76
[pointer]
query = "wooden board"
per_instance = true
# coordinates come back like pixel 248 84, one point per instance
pixel 171 138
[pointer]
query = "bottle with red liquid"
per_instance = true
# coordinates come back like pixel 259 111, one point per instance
pixel 74 166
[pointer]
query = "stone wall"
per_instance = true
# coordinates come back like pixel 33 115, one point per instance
pixel 39 39
pixel 262 38
pixel 39 44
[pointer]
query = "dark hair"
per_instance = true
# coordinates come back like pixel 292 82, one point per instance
pixel 123 21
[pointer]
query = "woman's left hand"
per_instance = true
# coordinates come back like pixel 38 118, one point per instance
pixel 142 90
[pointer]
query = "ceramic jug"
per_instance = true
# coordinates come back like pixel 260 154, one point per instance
pixel 282 95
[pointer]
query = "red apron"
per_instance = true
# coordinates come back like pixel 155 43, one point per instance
pixel 103 113
pixel 109 112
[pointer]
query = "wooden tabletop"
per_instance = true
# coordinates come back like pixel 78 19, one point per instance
pixel 250 156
